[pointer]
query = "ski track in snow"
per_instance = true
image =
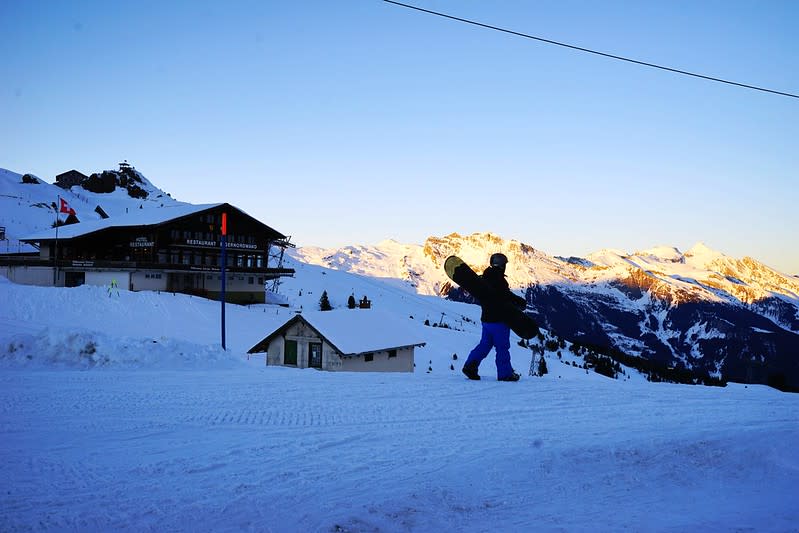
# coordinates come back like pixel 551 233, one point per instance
pixel 252 449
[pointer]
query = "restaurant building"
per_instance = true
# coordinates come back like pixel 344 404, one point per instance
pixel 175 249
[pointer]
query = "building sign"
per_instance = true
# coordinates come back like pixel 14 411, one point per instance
pixel 141 242
pixel 214 244
pixel 242 246
pixel 198 242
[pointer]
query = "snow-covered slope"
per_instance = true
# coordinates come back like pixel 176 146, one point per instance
pixel 26 208
pixel 159 429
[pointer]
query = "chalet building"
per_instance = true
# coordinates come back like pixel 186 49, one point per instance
pixel 70 179
pixel 175 249
pixel 353 340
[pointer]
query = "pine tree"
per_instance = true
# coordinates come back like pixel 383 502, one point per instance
pixel 542 366
pixel 324 302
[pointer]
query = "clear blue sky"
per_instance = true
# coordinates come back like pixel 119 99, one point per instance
pixel 354 121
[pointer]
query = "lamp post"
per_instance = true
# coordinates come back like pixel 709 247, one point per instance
pixel 224 275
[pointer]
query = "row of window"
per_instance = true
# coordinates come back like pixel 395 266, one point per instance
pixel 186 257
pixel 174 257
pixel 315 354
pixel 250 279
pixel 209 236
pixel 371 357
pixel 211 218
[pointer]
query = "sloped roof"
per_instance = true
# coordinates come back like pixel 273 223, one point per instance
pixel 356 331
pixel 138 217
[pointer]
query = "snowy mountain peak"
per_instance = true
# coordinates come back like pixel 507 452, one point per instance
pixel 476 249
pixel 608 257
pixel 702 255
pixel 662 253
pixel 420 268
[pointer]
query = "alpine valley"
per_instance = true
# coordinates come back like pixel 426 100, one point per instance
pixel 687 315
pixel 693 316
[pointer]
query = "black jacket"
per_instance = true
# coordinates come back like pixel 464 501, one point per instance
pixel 492 312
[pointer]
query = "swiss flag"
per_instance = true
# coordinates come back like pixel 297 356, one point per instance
pixel 65 207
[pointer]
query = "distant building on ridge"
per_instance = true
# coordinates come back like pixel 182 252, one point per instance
pixel 70 179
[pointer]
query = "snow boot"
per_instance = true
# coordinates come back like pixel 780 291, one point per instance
pixel 513 377
pixel 470 371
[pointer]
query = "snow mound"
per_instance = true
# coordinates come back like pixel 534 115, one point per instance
pixel 56 348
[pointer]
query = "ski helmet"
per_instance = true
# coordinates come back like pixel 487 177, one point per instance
pixel 498 260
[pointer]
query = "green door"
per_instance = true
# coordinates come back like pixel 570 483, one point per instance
pixel 290 353
pixel 315 355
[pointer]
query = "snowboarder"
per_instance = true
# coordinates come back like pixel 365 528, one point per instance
pixel 496 333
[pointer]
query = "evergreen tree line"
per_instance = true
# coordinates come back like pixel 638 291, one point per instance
pixel 605 358
pixel 610 362
pixel 363 303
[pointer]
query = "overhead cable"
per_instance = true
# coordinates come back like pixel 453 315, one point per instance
pixel 588 50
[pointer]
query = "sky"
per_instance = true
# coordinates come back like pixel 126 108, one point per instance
pixel 352 122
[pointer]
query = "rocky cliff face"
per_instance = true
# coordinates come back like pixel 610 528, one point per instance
pixel 126 177
pixel 700 310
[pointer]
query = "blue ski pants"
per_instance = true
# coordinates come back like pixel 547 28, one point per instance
pixel 495 335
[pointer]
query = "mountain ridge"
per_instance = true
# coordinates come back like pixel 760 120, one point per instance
pixel 747 279
pixel 701 310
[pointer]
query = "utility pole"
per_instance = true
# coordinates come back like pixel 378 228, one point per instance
pixel 224 274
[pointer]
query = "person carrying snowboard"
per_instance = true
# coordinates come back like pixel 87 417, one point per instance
pixel 496 333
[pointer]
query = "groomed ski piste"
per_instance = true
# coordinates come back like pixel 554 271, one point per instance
pixel 122 412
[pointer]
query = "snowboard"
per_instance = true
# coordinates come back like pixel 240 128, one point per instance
pixel 466 278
